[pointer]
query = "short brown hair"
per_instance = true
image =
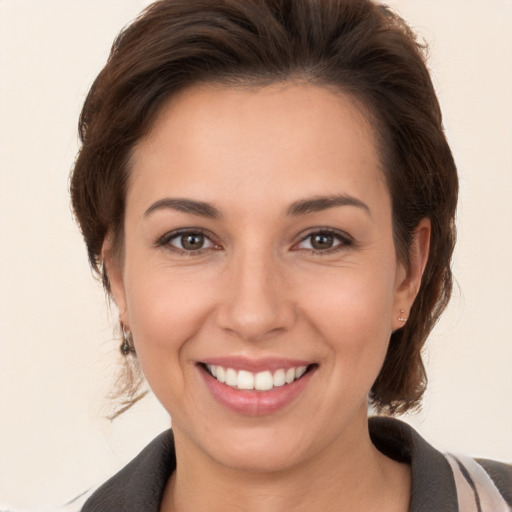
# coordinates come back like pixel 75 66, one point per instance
pixel 357 46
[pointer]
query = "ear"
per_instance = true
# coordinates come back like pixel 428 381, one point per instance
pixel 409 277
pixel 113 267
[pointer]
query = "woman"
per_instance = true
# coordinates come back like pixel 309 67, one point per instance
pixel 267 191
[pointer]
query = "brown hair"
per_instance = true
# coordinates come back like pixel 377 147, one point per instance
pixel 357 46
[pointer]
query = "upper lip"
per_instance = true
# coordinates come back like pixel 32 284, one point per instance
pixel 256 365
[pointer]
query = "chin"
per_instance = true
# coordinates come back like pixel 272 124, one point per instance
pixel 259 457
pixel 250 448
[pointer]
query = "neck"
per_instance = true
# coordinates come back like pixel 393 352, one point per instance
pixel 350 475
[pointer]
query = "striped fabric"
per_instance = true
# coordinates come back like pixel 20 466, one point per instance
pixel 476 491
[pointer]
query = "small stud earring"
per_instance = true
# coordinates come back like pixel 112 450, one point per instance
pixel 402 318
pixel 127 344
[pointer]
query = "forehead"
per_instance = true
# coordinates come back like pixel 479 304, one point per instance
pixel 297 136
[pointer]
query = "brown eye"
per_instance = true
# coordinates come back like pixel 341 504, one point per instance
pixel 187 241
pixel 192 241
pixel 322 241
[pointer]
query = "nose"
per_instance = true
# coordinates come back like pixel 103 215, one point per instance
pixel 257 302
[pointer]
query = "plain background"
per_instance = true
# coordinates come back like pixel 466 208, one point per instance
pixel 57 352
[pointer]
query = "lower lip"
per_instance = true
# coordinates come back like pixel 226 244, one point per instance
pixel 255 403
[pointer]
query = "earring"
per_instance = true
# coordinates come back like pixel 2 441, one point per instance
pixel 402 318
pixel 127 344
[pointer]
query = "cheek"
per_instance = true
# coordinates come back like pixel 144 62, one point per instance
pixel 352 310
pixel 165 303
pixel 352 299
pixel 166 311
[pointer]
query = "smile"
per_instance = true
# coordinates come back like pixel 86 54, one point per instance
pixel 261 381
pixel 256 387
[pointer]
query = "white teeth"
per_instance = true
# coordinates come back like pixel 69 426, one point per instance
pixel 279 378
pixel 231 377
pixel 299 372
pixel 212 369
pixel 221 374
pixel 245 380
pixel 261 381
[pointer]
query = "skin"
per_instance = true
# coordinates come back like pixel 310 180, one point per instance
pixel 257 289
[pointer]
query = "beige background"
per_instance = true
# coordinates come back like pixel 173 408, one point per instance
pixel 57 353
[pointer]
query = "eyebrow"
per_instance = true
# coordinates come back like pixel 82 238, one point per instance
pixel 186 206
pixel 301 207
pixel 320 203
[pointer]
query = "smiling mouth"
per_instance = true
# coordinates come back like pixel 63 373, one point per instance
pixel 260 381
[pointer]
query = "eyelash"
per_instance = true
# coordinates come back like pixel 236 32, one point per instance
pixel 165 241
pixel 344 240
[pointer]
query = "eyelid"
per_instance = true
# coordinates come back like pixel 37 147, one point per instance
pixel 344 238
pixel 164 240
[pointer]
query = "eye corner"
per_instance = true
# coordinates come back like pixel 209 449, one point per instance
pixel 332 239
pixel 205 241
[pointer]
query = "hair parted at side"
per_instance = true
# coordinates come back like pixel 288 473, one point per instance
pixel 356 46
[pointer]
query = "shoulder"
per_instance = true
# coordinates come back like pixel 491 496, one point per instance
pixel 487 482
pixel 440 481
pixel 77 503
pixel 137 486
pixel 501 475
pixel 141 483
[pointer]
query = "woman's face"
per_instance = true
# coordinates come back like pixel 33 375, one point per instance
pixel 258 244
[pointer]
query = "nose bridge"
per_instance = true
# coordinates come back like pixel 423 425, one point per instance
pixel 256 303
